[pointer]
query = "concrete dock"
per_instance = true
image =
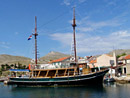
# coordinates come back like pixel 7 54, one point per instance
pixel 122 79
pixel 2 79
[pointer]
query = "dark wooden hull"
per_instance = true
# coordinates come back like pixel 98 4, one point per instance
pixel 93 78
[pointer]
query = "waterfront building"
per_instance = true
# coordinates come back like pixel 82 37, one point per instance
pixel 124 65
pixel 104 60
pixel 61 62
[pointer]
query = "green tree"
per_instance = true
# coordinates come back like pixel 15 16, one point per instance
pixel 20 66
pixel 123 54
pixel 12 66
pixel 15 66
pixel 3 67
pixel 0 72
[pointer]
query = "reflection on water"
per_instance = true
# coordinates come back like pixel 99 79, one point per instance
pixel 105 91
pixel 117 90
pixel 59 92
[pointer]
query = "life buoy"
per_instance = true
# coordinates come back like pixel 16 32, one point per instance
pixel 72 58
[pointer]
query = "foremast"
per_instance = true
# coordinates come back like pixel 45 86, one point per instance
pixel 35 35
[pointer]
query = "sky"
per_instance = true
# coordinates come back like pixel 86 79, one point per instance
pixel 102 26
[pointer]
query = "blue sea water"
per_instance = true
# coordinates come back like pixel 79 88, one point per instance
pixel 105 91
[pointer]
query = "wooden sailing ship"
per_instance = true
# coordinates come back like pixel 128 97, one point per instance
pixel 60 76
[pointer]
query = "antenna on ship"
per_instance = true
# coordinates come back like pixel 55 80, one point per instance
pixel 74 38
pixel 35 35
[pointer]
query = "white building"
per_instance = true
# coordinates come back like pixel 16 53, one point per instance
pixel 61 62
pixel 124 62
pixel 104 60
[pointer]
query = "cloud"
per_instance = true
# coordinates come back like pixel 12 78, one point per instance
pixel 111 2
pixel 64 38
pixel 87 25
pixel 72 2
pixel 89 44
pixel 121 34
pixel 4 45
pixel 82 1
pixel 16 33
pixel 66 2
pixel 85 29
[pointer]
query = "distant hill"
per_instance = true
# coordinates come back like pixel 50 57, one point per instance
pixel 120 51
pixel 9 59
pixel 52 56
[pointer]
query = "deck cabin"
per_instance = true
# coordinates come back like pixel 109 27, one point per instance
pixel 60 72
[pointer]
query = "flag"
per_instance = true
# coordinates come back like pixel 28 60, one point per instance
pixel 29 38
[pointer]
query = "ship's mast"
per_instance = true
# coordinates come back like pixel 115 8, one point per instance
pixel 35 34
pixel 74 38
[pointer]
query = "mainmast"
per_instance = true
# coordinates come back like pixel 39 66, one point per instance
pixel 35 34
pixel 74 39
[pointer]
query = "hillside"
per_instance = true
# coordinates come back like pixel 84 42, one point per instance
pixel 52 56
pixel 120 51
pixel 9 59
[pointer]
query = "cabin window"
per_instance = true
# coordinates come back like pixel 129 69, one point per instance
pixel 112 62
pixel 71 69
pixel 125 70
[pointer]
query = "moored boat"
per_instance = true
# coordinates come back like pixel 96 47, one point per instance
pixel 63 76
pixel 76 74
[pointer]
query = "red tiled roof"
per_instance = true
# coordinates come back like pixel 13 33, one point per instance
pixel 109 55
pixel 59 60
pixel 93 61
pixel 127 57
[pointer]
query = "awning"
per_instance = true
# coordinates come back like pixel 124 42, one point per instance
pixel 19 70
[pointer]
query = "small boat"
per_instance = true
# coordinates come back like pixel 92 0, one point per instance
pixel 73 75
pixel 109 77
pixel 109 80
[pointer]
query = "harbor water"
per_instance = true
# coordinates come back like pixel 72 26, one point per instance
pixel 107 90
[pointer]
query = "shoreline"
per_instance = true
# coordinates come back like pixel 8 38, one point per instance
pixel 122 80
pixel 2 79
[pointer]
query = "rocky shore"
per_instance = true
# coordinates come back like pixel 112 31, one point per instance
pixel 123 79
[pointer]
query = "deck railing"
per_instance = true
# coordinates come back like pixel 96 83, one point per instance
pixel 38 66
